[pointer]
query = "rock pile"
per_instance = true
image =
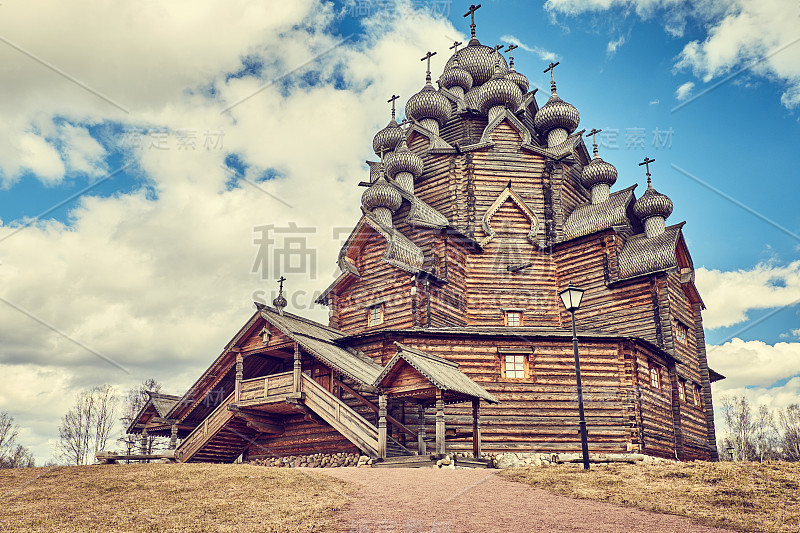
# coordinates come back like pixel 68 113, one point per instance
pixel 316 460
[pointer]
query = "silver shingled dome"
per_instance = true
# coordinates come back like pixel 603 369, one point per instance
pixel 476 59
pixel 404 160
pixel 598 171
pixel 556 113
pixel 652 204
pixel 381 194
pixel 429 103
pixel 499 91
pixel 387 138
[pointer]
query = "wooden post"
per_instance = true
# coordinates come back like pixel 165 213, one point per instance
pixel 298 367
pixel 421 429
pixel 382 426
pixel 173 437
pixel 476 428
pixel 440 447
pixel 239 377
pixel 143 444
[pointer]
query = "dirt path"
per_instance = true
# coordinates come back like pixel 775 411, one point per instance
pixel 424 500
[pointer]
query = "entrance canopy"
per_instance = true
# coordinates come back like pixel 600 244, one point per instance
pixel 416 375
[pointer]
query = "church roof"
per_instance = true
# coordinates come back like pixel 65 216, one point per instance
pixel 318 340
pixel 590 218
pixel 163 402
pixel 647 255
pixel 442 373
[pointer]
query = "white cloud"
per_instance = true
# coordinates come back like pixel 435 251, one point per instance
pixel 544 55
pixel 684 91
pixel 730 295
pixel 612 46
pixel 739 34
pixel 159 278
pixel 754 363
pixel 655 102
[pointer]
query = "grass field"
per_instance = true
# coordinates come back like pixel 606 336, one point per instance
pixel 161 497
pixel 740 496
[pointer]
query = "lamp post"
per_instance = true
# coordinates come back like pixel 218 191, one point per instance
pixel 731 449
pixel 571 297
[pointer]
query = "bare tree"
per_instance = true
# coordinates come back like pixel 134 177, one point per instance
pixel 789 423
pixel 134 400
pixel 738 417
pixel 12 454
pixel 765 434
pixel 85 428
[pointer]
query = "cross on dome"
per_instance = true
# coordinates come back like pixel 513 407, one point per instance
pixel 551 68
pixel 646 164
pixel 471 13
pixel 391 101
pixel 594 132
pixel 427 58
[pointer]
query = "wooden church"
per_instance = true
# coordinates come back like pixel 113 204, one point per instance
pixel 446 331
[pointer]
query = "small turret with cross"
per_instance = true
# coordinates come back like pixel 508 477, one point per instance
pixel 471 14
pixel 280 302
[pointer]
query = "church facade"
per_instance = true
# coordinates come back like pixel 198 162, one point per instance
pixel 446 332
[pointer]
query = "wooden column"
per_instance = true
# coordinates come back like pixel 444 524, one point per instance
pixel 476 428
pixel 382 426
pixel 440 447
pixel 298 367
pixel 143 444
pixel 173 437
pixel 421 429
pixel 239 376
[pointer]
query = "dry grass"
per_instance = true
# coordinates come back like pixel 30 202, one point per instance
pixel 741 496
pixel 163 497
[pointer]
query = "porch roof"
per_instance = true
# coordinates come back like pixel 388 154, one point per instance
pixel 442 373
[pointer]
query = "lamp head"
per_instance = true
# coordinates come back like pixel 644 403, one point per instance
pixel 571 298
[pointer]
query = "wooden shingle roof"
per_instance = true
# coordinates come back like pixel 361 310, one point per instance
pixel 442 373
pixel 591 218
pixel 645 255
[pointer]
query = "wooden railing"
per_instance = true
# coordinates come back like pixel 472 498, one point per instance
pixel 212 423
pixel 265 388
pixel 341 416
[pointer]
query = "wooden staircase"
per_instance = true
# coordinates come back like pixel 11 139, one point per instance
pixel 222 436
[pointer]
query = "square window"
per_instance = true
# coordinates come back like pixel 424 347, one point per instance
pixel 513 319
pixel 514 366
pixel 376 315
pixel 655 379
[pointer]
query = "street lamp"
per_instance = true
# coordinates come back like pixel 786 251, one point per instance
pixel 571 297
pixel 730 451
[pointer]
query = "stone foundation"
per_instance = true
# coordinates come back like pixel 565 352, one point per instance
pixel 316 460
pixel 514 460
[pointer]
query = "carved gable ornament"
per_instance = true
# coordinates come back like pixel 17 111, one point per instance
pixel 508 194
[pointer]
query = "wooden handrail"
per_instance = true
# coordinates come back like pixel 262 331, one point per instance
pixel 374 408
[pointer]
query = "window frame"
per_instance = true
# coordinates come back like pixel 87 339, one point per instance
pixel 519 314
pixel 681 333
pixel 371 315
pixel 681 390
pixel 655 376
pixel 522 363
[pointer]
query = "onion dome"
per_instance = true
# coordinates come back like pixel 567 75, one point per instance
pixel 475 58
pixel 499 91
pixel 471 97
pixel 513 75
pixel 519 79
pixel 403 160
pixel 456 76
pixel 388 138
pixel 429 103
pixel 381 194
pixel 598 172
pixel 652 204
pixel 556 113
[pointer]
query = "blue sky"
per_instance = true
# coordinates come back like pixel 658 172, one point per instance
pixel 163 251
